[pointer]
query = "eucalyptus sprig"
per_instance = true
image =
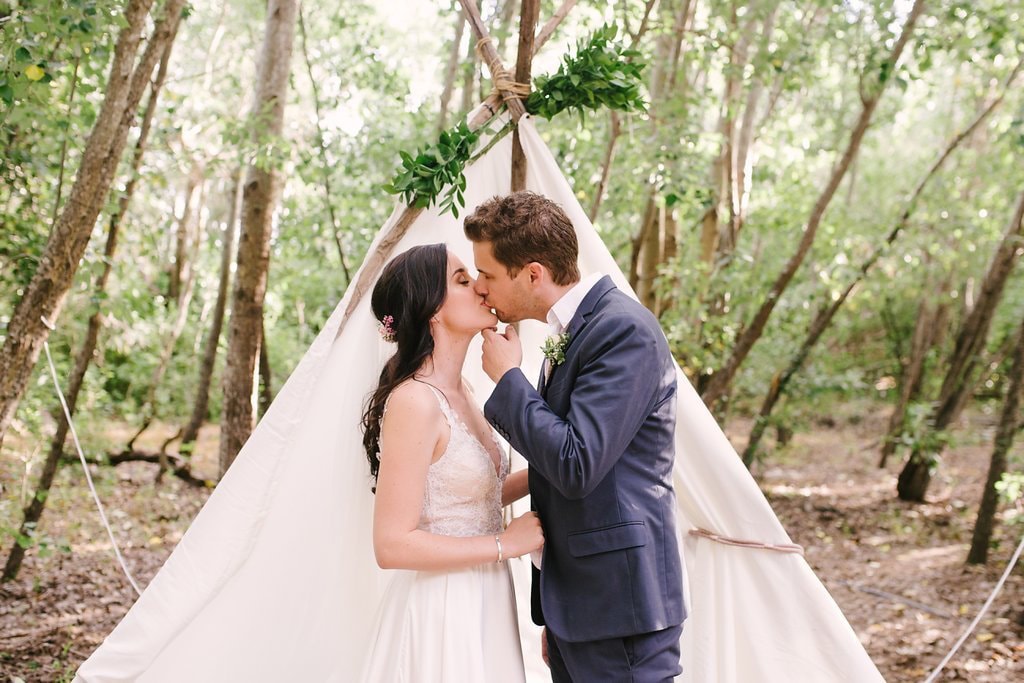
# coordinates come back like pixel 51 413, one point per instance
pixel 603 73
pixel 433 168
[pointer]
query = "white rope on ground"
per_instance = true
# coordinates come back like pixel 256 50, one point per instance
pixel 85 465
pixel 984 608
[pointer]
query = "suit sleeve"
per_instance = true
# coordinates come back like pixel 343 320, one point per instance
pixel 613 394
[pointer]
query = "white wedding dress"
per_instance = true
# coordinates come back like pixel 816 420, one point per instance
pixel 459 625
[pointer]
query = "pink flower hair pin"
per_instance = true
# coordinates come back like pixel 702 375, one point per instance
pixel 386 328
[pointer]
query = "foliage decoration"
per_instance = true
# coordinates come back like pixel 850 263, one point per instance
pixel 433 168
pixel 602 74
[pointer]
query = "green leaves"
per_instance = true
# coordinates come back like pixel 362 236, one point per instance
pixel 423 176
pixel 602 74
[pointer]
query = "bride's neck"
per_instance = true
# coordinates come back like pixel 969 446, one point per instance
pixel 444 367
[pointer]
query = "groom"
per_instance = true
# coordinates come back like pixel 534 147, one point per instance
pixel 598 435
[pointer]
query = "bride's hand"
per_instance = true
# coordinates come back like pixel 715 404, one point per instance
pixel 523 535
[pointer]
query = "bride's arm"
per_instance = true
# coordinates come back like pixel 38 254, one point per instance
pixel 411 433
pixel 516 486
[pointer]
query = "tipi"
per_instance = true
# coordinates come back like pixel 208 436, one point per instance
pixel 275 578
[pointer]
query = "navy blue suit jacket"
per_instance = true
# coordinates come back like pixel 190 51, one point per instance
pixel 599 438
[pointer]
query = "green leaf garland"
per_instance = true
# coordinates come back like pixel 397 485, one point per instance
pixel 602 74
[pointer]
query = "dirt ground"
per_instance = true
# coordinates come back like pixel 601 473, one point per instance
pixel 896 570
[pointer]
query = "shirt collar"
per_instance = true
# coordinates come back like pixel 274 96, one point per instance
pixel 565 308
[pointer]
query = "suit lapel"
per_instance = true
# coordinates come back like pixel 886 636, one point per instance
pixel 587 307
pixel 579 320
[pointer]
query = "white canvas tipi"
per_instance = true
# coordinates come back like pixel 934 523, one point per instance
pixel 275 579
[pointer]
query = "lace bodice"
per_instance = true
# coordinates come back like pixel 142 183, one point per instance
pixel 462 495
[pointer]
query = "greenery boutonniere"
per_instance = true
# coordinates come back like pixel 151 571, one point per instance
pixel 554 348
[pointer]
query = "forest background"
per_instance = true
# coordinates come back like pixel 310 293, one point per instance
pixel 822 203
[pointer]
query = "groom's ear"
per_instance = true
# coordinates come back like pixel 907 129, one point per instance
pixel 537 272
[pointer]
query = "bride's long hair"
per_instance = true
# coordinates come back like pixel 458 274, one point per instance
pixel 411 289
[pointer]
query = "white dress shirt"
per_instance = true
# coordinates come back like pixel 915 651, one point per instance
pixel 563 310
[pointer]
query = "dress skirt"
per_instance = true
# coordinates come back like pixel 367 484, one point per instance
pixel 447 627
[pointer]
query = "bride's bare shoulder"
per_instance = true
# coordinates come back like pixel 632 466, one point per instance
pixel 414 400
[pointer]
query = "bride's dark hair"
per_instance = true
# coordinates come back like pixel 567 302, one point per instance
pixel 410 291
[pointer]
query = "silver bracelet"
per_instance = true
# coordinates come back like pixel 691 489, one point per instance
pixel 501 555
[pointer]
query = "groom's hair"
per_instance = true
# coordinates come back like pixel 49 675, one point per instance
pixel 523 228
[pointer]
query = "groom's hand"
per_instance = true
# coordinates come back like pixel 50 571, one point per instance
pixel 502 352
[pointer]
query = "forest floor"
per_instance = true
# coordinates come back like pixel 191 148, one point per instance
pixel 896 569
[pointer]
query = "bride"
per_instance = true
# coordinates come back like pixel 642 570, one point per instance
pixel 441 483
pixel 275 579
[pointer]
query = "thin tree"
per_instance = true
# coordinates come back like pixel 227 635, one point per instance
pixel 200 406
pixel 183 235
pixel 615 124
pixel 929 320
pixel 721 222
pixel 321 145
pixel 870 95
pixel 929 326
pixel 524 62
pixel 1005 434
pixel 469 73
pixel 649 244
pixel 260 195
pixel 190 235
pixel 916 474
pixel 33 512
pixel 614 130
pixel 451 70
pixel 45 294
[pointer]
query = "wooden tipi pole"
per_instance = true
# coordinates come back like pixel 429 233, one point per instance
pixel 524 61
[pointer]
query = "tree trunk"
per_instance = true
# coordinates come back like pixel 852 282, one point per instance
pixel 651 251
pixel 648 246
pixel 931 316
pixel 913 481
pixel 200 406
pixel 528 17
pixel 64 142
pixel 614 130
pixel 449 73
pixel 669 250
pixel 186 290
pixel 469 69
pixel 743 164
pixel 266 390
pixel 180 267
pixel 647 223
pixel 322 150
pixel 718 234
pixel 720 381
pixel 33 512
pixel 45 294
pixel 1005 434
pixel 259 200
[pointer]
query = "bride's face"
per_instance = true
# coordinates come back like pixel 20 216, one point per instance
pixel 463 309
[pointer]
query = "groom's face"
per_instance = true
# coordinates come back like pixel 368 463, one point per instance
pixel 509 296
